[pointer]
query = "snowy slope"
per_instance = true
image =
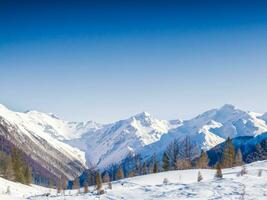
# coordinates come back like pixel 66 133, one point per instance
pixel 213 127
pixel 101 145
pixel 95 144
pixel 182 185
pixel 117 140
pixel 36 135
pixel 50 128
pixel 19 191
pixel 227 121
pixel 49 124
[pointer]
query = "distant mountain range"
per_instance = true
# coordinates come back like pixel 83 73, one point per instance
pixel 69 147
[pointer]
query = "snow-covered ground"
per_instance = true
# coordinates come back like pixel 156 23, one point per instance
pixel 18 191
pixel 182 185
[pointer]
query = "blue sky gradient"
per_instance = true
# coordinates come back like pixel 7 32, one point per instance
pixel 108 60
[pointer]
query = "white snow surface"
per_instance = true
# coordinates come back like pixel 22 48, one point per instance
pixel 49 124
pixel 117 140
pixel 40 125
pixel 18 191
pixel 182 184
pixel 213 127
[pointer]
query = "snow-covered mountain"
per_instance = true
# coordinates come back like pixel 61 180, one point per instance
pixel 213 127
pixel 101 145
pixel 115 141
pixel 38 135
pixel 83 142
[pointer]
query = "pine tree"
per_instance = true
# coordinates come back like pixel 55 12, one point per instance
pixel 199 177
pixel 202 162
pixel 51 183
pixel 218 171
pixel 120 174
pixel 238 158
pixel 59 186
pixel 144 169
pixel 98 181
pixel 166 162
pixel 137 161
pixel 155 167
pixel 259 152
pixel 8 170
pixel 91 178
pixel 228 154
pixel 18 166
pixel 28 175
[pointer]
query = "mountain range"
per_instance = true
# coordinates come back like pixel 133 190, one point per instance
pixel 68 148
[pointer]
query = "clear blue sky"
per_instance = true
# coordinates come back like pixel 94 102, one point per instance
pixel 108 60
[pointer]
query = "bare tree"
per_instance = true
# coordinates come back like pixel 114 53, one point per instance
pixel 187 152
pixel 106 177
pixel 202 161
pixel 59 186
pixel 172 152
pixel 85 186
pixel 76 184
pixel 64 185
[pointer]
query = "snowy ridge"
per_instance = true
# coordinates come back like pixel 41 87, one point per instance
pixel 211 128
pixel 35 124
pixel 100 145
pixel 117 140
pixel 35 134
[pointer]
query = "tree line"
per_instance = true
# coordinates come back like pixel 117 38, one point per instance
pixel 14 168
pixel 179 155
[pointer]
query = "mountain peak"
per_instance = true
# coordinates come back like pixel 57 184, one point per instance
pixel 53 115
pixel 228 107
pixel 3 107
pixel 142 115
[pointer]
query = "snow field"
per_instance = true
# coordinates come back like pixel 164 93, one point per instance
pixel 182 185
